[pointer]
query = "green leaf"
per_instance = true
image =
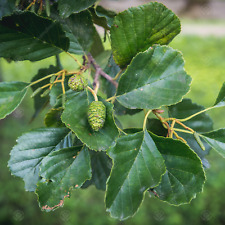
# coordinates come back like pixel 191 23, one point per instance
pixel 112 69
pixel 154 78
pixel 31 148
pixel 80 30
pixel 136 29
pixel 75 118
pixel 57 101
pixel 26 36
pixel 53 118
pixel 121 110
pixel 67 7
pixel 6 7
pixel 56 92
pixel 101 166
pixel 201 123
pixel 137 166
pixel 216 139
pixel 102 16
pixel 184 177
pixel 220 101
pixel 156 127
pixel 11 95
pixel 97 46
pixel 103 59
pixel 41 102
pixel 63 171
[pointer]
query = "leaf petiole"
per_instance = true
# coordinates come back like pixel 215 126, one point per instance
pixel 32 3
pixel 46 77
pixel 145 119
pixel 111 98
pixel 183 131
pixel 121 131
pixel 196 114
pixel 117 75
pixel 93 93
pixel 74 59
pixel 179 138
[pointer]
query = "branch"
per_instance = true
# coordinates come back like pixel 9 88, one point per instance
pixel 97 75
pixel 100 72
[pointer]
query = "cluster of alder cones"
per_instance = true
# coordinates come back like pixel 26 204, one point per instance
pixel 96 110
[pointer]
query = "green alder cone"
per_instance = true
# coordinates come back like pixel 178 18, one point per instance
pixel 77 82
pixel 96 115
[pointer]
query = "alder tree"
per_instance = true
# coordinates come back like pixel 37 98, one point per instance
pixel 83 142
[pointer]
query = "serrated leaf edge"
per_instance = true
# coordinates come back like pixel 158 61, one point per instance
pixel 157 45
pixel 194 195
pixel 143 195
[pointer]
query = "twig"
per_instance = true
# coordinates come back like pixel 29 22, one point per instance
pixel 99 71
pixel 96 79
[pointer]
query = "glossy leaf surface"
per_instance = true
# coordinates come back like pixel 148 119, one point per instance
pixel 137 166
pixel 184 177
pixel 31 148
pixel 154 78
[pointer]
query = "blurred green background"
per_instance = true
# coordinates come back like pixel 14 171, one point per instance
pixel 204 58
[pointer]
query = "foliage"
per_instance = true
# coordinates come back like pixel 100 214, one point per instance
pixel 146 76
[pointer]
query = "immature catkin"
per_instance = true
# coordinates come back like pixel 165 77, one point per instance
pixel 96 115
pixel 77 82
pixel 197 138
